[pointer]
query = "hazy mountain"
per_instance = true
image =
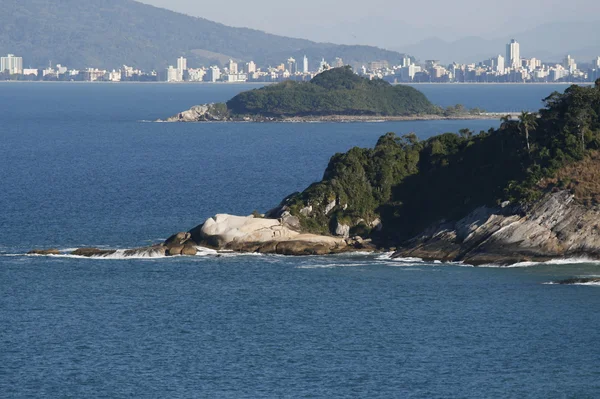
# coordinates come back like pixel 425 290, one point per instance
pixel 549 42
pixel 109 33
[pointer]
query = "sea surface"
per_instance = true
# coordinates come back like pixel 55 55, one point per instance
pixel 81 165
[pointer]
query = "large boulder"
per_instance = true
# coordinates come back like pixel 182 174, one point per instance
pixel 265 235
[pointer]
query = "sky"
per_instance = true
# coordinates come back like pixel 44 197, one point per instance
pixel 386 23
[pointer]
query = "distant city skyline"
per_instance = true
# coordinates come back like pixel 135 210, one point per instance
pixel 326 21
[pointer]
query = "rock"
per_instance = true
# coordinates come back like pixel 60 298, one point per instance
pixel 330 206
pixel 306 211
pixel 189 249
pixel 174 250
pixel 91 252
pixel 376 225
pixel 342 230
pixel 554 226
pixel 291 222
pixel 178 239
pixel 51 251
pixel 579 280
pixel 248 234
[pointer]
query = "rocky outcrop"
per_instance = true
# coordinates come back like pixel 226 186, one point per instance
pixel 199 113
pixel 579 280
pixel 555 226
pixel 51 251
pixel 264 235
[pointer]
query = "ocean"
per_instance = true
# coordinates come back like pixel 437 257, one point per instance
pixel 82 165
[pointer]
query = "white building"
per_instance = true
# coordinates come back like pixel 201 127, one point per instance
pixel 596 62
pixel 570 64
pixel 213 74
pixel 196 75
pixel 498 64
pixel 513 54
pixel 233 67
pixel 172 74
pixel 12 64
pixel 251 67
pixel 305 64
pixel 181 68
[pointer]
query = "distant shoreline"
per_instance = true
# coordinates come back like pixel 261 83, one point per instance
pixel 270 83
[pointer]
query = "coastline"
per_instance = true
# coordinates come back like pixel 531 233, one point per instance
pixel 180 118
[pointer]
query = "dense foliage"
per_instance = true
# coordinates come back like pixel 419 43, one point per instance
pixel 337 91
pixel 109 33
pixel 411 184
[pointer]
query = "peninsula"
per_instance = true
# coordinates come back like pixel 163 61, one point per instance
pixel 335 95
pixel 527 191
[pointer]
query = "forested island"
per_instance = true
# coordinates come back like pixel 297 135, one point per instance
pixel 334 95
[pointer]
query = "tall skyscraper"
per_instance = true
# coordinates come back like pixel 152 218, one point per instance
pixel 596 62
pixel 12 64
pixel 181 68
pixel 513 54
pixel 305 64
pixel 251 67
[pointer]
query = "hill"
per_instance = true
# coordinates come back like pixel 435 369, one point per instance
pixel 338 91
pixel 528 171
pixel 109 33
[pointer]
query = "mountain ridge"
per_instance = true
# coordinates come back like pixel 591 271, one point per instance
pixel 110 33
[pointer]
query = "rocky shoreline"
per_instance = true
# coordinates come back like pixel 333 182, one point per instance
pixel 554 227
pixel 242 234
pixel 205 113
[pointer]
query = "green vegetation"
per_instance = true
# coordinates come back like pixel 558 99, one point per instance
pixel 338 91
pixel 109 33
pixel 410 184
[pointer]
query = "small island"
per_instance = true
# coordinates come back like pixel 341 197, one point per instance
pixel 336 95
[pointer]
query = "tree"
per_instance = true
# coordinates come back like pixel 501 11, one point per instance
pixel 466 133
pixel 527 122
pixel 506 122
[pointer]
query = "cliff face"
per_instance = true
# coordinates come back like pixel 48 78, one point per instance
pixel 554 226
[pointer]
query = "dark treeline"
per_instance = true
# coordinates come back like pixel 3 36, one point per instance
pixel 338 91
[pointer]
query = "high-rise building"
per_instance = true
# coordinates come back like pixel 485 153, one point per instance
pixel 233 67
pixel 513 54
pixel 305 65
pixel 569 63
pixel 12 64
pixel 498 64
pixel 172 74
pixel 181 68
pixel 292 66
pixel 213 74
pixel 338 62
pixel 251 67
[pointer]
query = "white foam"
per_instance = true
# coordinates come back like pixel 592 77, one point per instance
pixel 331 265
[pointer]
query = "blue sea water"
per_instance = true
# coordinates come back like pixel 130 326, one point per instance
pixel 80 167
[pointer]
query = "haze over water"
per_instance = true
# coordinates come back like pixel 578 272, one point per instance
pixel 80 169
